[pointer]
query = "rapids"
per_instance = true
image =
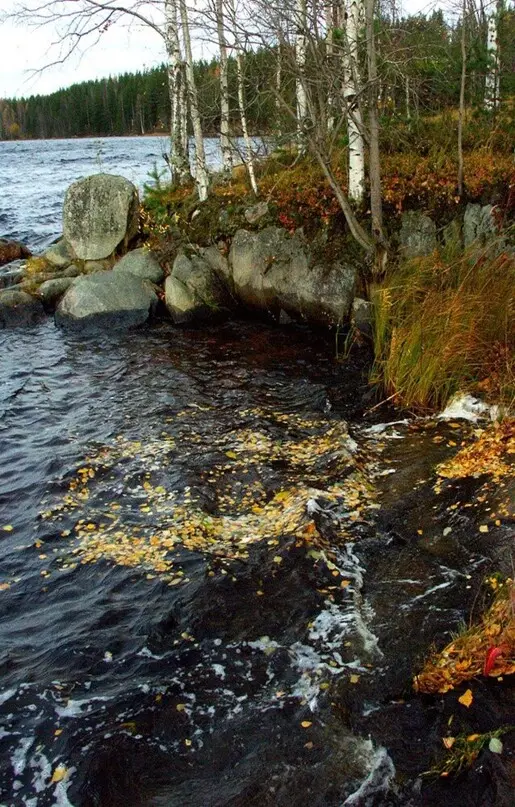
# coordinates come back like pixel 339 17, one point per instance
pixel 220 572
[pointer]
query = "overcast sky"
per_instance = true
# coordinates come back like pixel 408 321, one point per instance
pixel 120 49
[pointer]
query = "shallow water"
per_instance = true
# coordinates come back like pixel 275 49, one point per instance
pixel 211 594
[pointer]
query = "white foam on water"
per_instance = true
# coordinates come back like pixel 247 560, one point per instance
pixel 378 781
pixel 466 407
pixel 6 695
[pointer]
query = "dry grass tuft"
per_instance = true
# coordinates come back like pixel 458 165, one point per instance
pixel 443 326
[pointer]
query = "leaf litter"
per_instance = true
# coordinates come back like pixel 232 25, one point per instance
pixel 255 484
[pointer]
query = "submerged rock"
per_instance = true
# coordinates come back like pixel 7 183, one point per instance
pixel 100 212
pixel 193 291
pixel 106 299
pixel 271 270
pixel 19 308
pixel 143 264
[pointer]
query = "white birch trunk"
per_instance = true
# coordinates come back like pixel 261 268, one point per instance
pixel 329 27
pixel 248 158
pixel 300 58
pixel 352 84
pixel 225 141
pixel 492 76
pixel 179 159
pixel 278 85
pixel 201 175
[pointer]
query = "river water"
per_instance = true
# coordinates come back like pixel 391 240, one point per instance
pixel 219 569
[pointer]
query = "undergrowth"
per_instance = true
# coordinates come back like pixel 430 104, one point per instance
pixel 444 325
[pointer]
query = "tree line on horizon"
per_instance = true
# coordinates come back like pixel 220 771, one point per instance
pixel 138 103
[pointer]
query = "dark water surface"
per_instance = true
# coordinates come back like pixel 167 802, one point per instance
pixel 211 593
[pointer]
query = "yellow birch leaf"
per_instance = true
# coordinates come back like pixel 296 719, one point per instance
pixel 8 528
pixel 59 774
pixel 448 741
pixel 467 698
pixel 306 724
pixel 354 679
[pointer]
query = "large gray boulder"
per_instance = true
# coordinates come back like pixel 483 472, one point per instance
pixel 19 308
pixel 478 224
pixel 100 213
pixel 194 292
pixel 106 299
pixel 418 234
pixel 143 264
pixel 272 271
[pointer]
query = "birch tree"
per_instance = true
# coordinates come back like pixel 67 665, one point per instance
pixel 351 87
pixel 491 101
pixel 179 157
pixel 301 23
pixel 225 140
pixel 201 174
pixel 248 153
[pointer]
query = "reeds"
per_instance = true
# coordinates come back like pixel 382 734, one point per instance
pixel 445 324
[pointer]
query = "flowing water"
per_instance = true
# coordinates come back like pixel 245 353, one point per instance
pixel 219 572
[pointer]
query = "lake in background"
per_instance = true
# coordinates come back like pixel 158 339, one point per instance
pixel 34 176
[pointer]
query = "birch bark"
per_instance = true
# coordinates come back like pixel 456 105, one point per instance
pixel 201 175
pixel 225 141
pixel 492 76
pixel 179 159
pixel 351 87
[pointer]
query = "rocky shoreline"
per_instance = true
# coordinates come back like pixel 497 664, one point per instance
pixel 101 275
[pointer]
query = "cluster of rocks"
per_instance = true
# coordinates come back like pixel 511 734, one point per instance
pixel 93 277
pixel 90 279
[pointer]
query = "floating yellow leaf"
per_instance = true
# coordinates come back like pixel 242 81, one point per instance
pixel 306 724
pixel 483 528
pixel 278 559
pixel 180 707
pixel 354 679
pixel 231 454
pixel 467 698
pixel 8 528
pixel 4 586
pixel 59 774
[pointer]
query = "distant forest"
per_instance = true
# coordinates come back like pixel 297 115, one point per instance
pixel 419 61
pixel 135 103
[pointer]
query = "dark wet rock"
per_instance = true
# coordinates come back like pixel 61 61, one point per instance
pixel 12 251
pixel 143 264
pixel 19 308
pixel 271 270
pixel 362 315
pixel 106 299
pixel 193 291
pixel 52 290
pixel 418 234
pixel 217 259
pixel 12 273
pixel 100 213
pixel 60 254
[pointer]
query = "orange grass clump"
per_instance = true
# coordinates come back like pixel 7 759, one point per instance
pixel 484 649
